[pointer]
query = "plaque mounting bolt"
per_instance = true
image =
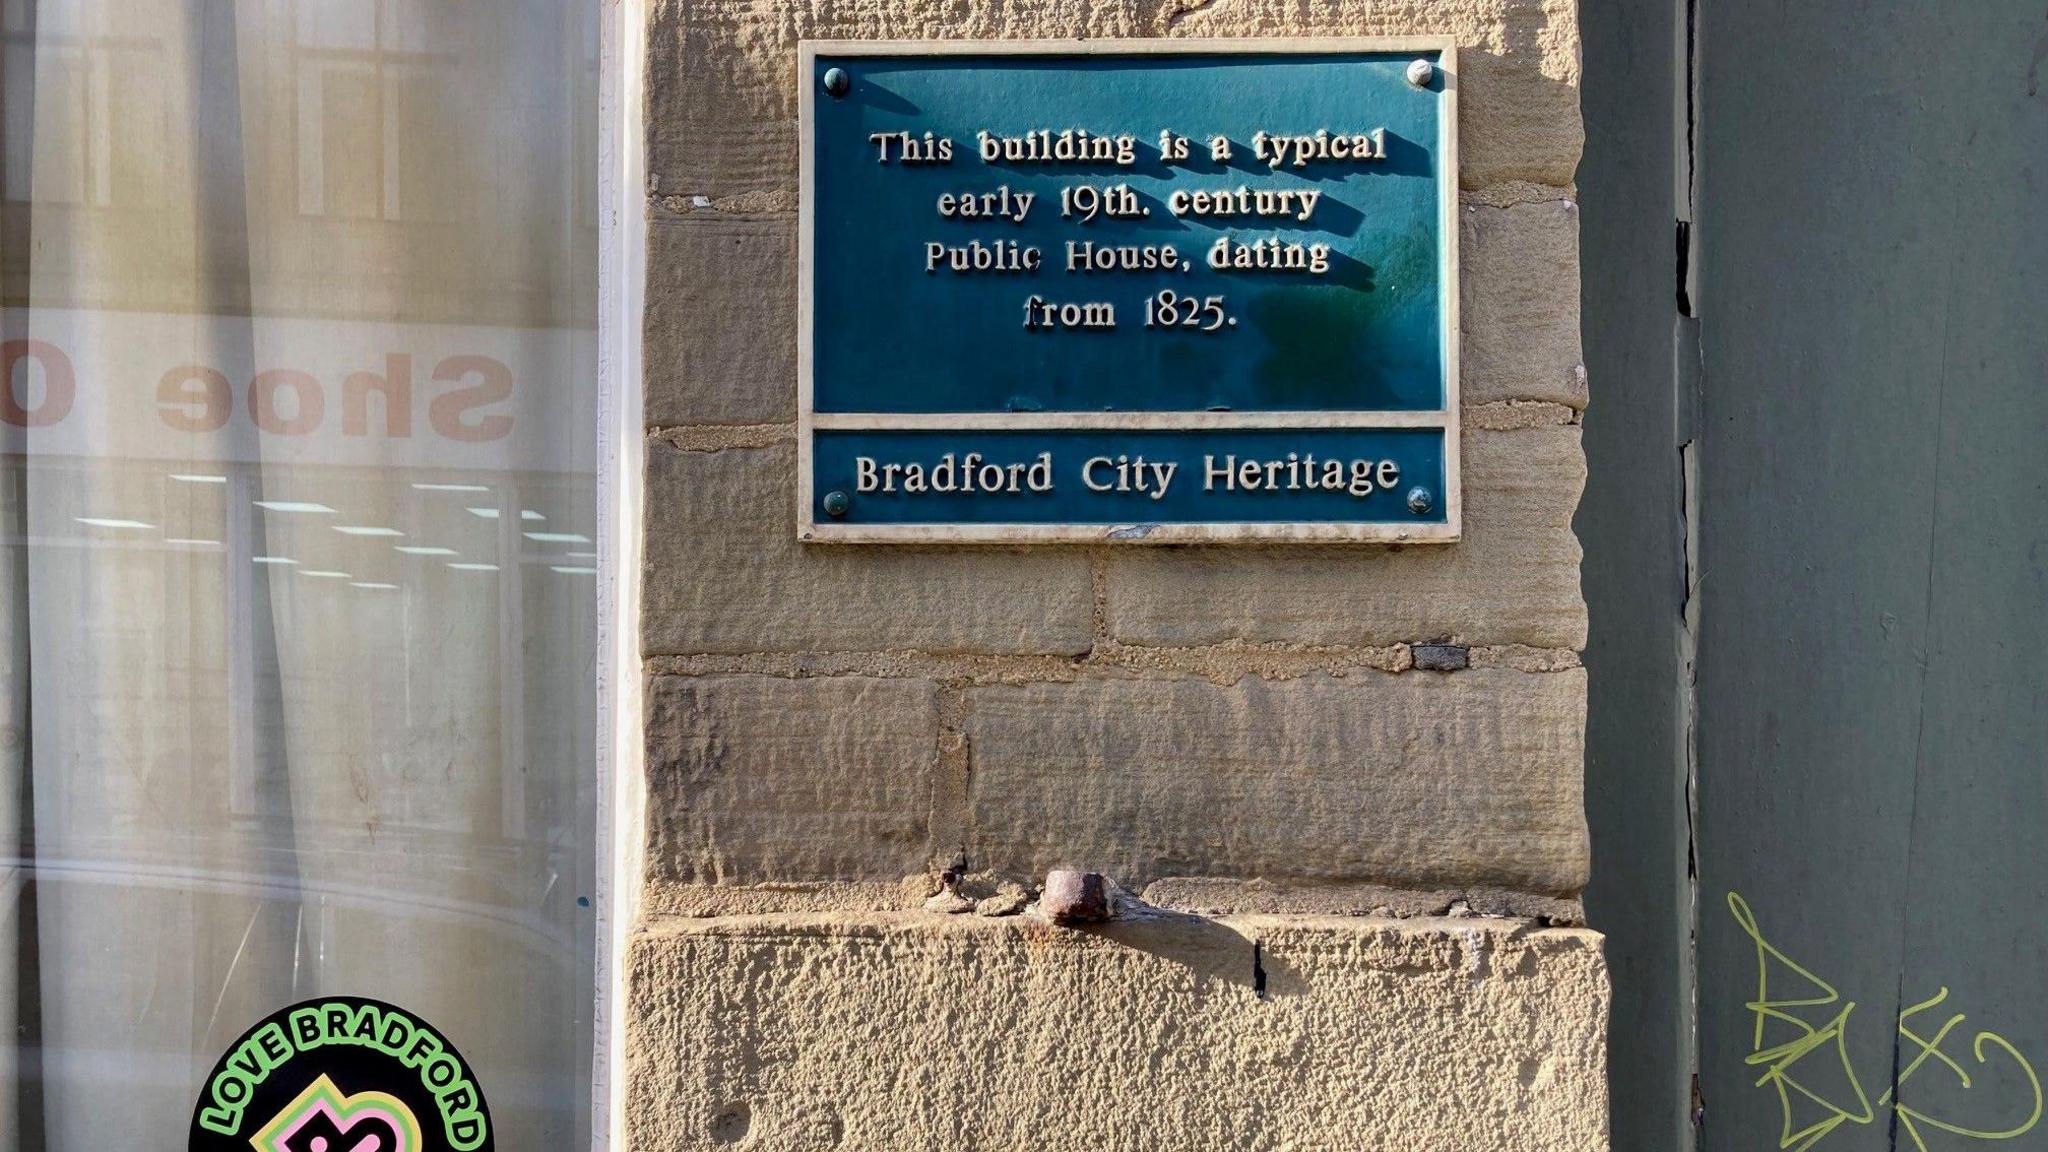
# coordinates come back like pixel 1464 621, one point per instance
pixel 837 82
pixel 836 503
pixel 1420 73
pixel 1420 500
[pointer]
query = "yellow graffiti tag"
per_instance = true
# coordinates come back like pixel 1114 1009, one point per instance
pixel 1847 1103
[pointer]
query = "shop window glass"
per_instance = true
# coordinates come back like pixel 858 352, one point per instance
pixel 297 572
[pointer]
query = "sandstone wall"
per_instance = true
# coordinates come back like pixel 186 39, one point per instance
pixel 1278 752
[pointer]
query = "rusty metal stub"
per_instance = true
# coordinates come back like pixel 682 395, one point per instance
pixel 1074 897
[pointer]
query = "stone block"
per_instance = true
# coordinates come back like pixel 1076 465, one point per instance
pixel 1513 579
pixel 725 574
pixel 722 97
pixel 886 1032
pixel 1518 101
pixel 1410 780
pixel 755 779
pixel 1518 301
pixel 720 335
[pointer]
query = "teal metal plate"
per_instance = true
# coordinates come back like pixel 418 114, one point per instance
pixel 1191 251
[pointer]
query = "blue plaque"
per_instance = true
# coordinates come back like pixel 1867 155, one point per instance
pixel 1161 291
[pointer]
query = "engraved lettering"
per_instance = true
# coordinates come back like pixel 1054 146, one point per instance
pixel 1300 151
pixel 1299 472
pixel 1298 204
pixel 1041 314
pixel 1088 256
pixel 975 256
pixel 1001 204
pixel 1269 255
pixel 1067 146
pixel 953 472
pixel 902 147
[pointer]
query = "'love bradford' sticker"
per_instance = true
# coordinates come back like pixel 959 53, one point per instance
pixel 341 1074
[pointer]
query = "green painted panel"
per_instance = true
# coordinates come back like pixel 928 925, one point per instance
pixel 1634 569
pixel 1873 692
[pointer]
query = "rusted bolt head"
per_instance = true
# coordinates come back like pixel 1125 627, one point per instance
pixel 1072 897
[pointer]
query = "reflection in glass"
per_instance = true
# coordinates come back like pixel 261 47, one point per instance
pixel 296 596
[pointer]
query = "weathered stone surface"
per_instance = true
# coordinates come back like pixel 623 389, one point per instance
pixel 1514 415
pixel 910 1031
pixel 721 74
pixel 1514 579
pixel 949 903
pixel 754 779
pixel 1210 896
pixel 720 336
pixel 1518 300
pixel 842 785
pixel 1007 902
pixel 659 897
pixel 725 574
pixel 1407 780
pixel 1518 100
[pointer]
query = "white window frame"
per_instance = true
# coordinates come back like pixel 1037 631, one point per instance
pixel 621 449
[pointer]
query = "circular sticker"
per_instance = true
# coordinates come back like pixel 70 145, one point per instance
pixel 341 1074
